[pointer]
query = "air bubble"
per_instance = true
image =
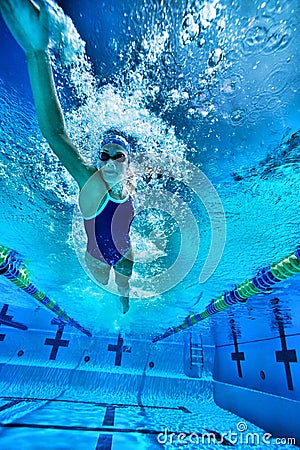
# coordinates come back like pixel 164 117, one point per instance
pixel 231 85
pixel 190 29
pixel 277 81
pixel 256 37
pixel 279 37
pixel 238 117
pixel 215 57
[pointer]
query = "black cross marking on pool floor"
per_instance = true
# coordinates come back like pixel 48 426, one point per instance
pixel 5 319
pixel 283 318
pixel 119 349
pixel 3 312
pixel 237 356
pixel 286 356
pixel 56 343
pixel 2 315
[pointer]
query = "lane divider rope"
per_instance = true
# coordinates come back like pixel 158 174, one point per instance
pixel 13 268
pixel 262 282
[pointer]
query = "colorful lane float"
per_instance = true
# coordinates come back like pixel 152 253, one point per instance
pixel 261 283
pixel 13 268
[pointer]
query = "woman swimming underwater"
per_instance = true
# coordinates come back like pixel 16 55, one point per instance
pixel 104 199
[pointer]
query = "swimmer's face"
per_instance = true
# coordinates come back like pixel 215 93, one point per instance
pixel 113 162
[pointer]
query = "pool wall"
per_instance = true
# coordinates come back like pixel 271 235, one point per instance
pixel 47 361
pixel 256 369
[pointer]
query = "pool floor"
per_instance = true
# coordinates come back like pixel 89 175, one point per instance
pixel 44 424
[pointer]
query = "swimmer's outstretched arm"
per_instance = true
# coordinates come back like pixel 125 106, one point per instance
pixel 29 24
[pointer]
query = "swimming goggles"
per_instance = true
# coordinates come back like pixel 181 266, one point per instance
pixel 119 157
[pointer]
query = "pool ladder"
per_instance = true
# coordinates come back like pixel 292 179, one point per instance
pixel 196 353
pixel 194 360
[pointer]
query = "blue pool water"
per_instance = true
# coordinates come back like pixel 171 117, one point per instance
pixel 208 90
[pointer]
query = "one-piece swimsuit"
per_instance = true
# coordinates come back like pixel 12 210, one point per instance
pixel 108 231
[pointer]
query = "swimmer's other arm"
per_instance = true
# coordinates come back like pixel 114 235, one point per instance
pixel 29 24
pixel 50 116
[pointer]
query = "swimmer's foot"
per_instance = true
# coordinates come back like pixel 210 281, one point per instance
pixel 125 304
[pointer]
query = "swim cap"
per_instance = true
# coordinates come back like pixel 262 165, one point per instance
pixel 116 139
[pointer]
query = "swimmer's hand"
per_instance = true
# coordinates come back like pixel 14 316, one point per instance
pixel 28 23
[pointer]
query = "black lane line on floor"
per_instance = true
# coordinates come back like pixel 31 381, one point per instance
pixel 109 430
pixel 109 418
pixel 105 405
pixel 10 404
pixel 105 440
pixel 184 409
pixel 77 428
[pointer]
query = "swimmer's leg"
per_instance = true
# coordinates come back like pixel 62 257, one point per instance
pixel 99 269
pixel 123 271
